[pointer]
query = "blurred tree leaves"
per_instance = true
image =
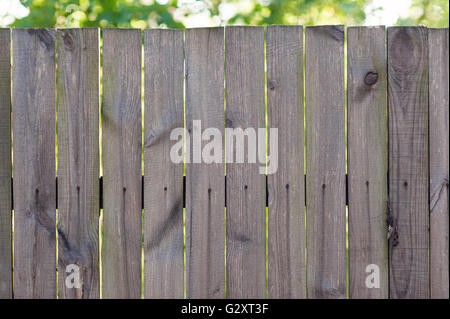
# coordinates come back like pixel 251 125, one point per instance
pixel 187 13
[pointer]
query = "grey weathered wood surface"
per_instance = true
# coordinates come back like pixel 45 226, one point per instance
pixel 163 183
pixel 408 160
pixel 286 186
pixel 246 189
pixel 205 189
pixel 34 105
pixel 78 160
pixel 367 159
pixel 122 155
pixel 5 165
pixel 439 161
pixel 325 161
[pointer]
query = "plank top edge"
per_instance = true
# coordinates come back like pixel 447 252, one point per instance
pixel 325 26
pixel 406 27
pixel 122 30
pixel 358 27
pixel 83 28
pixel 248 27
pixel 287 26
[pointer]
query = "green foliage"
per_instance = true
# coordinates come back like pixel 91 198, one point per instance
pixel 182 13
pixel 431 13
pixel 92 13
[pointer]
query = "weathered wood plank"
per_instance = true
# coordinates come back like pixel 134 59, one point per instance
pixel 34 105
pixel 122 147
pixel 246 189
pixel 325 161
pixel 5 165
pixel 205 189
pixel 408 160
pixel 367 159
pixel 163 186
pixel 78 161
pixel 286 186
pixel 439 161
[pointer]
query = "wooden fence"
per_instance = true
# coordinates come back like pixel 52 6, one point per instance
pixel 386 125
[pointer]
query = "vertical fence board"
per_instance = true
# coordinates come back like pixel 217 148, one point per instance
pixel 325 161
pixel 246 189
pixel 34 108
pixel 439 161
pixel 205 189
pixel 367 159
pixel 5 165
pixel 163 187
pixel 286 186
pixel 78 160
pixel 408 160
pixel 122 155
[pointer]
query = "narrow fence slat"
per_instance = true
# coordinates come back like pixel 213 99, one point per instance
pixel 367 160
pixel 439 161
pixel 5 166
pixel 34 108
pixel 122 155
pixel 286 186
pixel 408 160
pixel 205 189
pixel 78 161
pixel 163 183
pixel 325 162
pixel 246 187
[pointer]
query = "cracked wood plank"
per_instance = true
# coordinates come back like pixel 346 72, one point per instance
pixel 34 105
pixel 78 160
pixel 408 160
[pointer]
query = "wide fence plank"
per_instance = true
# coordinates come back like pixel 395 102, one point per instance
pixel 78 162
pixel 439 161
pixel 205 189
pixel 163 183
pixel 122 155
pixel 34 109
pixel 367 161
pixel 408 161
pixel 286 185
pixel 325 161
pixel 246 187
pixel 5 166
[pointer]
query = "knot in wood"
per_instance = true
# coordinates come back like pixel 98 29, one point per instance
pixel 371 78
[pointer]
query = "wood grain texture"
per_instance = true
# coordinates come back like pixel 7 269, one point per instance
pixel 246 189
pixel 439 161
pixel 34 108
pixel 163 186
pixel 286 186
pixel 78 160
pixel 122 147
pixel 367 159
pixel 408 160
pixel 205 189
pixel 325 161
pixel 5 166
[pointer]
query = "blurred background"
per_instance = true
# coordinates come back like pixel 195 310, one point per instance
pixel 201 13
